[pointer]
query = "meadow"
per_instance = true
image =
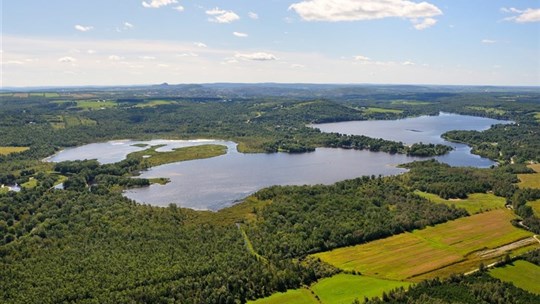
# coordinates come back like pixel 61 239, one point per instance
pixel 522 274
pixel 474 203
pixel 341 288
pixel 9 150
pixel 153 158
pixel 535 205
pixel 530 180
pixel 441 250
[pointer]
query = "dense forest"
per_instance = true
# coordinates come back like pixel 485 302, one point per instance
pixel 89 244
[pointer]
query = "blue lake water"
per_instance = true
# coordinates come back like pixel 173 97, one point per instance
pixel 218 182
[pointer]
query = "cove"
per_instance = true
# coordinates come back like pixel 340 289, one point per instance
pixel 426 129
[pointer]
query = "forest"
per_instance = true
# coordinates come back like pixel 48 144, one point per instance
pixel 89 244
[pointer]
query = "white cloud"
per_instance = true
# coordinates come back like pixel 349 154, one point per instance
pixel 222 16
pixel 67 59
pixel 83 28
pixel 253 15
pixel 352 10
pixel 91 52
pixel 361 58
pixel 200 44
pixel 115 58
pixel 162 65
pixel 128 25
pixel 241 35
pixel 523 16
pixel 158 3
pixel 297 66
pixel 13 62
pixel 408 63
pixel 147 57
pixel 424 24
pixel 191 54
pixel 179 8
pixel 258 56
pixel 488 41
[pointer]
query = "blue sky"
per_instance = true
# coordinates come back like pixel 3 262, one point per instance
pixel 122 42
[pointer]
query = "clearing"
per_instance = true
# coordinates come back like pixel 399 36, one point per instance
pixel 154 158
pixel 435 251
pixel 531 180
pixel 522 274
pixel 9 150
pixel 381 110
pixel 535 205
pixel 341 288
pixel 475 203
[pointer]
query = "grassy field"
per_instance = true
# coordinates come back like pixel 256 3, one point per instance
pixel 381 110
pixel 341 288
pixel 475 203
pixel 299 296
pixel 153 103
pixel 31 183
pixel 344 288
pixel 535 205
pixel 522 274
pixel 435 251
pixel 9 150
pixel 537 116
pixel 530 180
pixel 154 158
pixel 95 105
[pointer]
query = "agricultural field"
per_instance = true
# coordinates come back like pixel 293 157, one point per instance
pixel 95 104
pixel 341 288
pixel 9 150
pixel 535 205
pixel 537 116
pixel 453 247
pixel 475 203
pixel 410 102
pixel 522 274
pixel 66 121
pixel 300 296
pixel 371 110
pixel 530 180
pixel 153 103
pixel 488 110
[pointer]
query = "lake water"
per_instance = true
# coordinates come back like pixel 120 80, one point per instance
pixel 218 182
pixel 426 129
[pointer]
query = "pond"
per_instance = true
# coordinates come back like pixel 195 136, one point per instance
pixel 219 182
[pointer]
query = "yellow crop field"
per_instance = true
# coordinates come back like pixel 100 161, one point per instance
pixel 456 246
pixel 9 150
pixel 530 180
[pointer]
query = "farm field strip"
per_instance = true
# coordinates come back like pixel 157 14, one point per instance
pixel 475 203
pixel 423 253
pixel 522 274
pixel 9 150
pixel 530 180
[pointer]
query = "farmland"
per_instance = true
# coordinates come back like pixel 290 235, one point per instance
pixel 520 273
pixel 474 203
pixel 341 288
pixel 373 110
pixel 435 251
pixel 530 180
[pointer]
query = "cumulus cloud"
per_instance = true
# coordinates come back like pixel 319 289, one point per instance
pixel 253 15
pixel 222 16
pixel 408 63
pixel 179 8
pixel 241 35
pixel 158 3
pixel 200 44
pixel 424 24
pixel 353 10
pixel 128 25
pixel 258 56
pixel 83 28
pixel 488 41
pixel 523 16
pixel 361 58
pixel 188 55
pixel 67 59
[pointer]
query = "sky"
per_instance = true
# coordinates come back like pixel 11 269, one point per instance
pixel 129 42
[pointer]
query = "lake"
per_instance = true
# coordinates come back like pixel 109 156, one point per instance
pixel 219 182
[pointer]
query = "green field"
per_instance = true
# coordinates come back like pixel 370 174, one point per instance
pixel 435 251
pixel 153 103
pixel 95 105
pixel 488 110
pixel 341 288
pixel 9 150
pixel 345 288
pixel 475 203
pixel 297 296
pixel 154 158
pixel 530 180
pixel 522 274
pixel 535 205
pixel 381 110
pixel 537 116
pixel 31 183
